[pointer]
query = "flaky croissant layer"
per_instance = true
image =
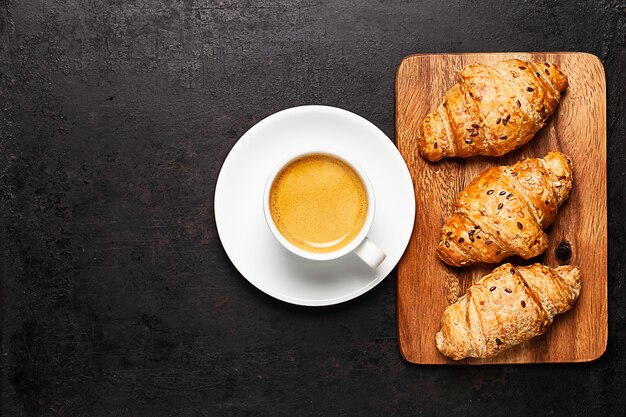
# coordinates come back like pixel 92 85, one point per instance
pixel 492 109
pixel 505 308
pixel 504 210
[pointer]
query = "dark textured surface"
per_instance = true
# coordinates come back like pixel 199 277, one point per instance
pixel 116 296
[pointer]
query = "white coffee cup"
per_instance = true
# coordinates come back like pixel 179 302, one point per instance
pixel 360 245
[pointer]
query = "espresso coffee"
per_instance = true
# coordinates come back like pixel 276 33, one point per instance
pixel 318 203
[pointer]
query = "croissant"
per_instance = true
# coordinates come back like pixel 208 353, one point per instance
pixel 504 210
pixel 505 308
pixel 492 109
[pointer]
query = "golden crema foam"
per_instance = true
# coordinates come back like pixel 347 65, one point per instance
pixel 318 203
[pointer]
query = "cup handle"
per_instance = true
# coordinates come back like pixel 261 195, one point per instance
pixel 370 253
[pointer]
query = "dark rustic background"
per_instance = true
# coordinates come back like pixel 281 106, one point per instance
pixel 116 296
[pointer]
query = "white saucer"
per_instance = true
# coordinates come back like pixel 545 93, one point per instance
pixel 239 205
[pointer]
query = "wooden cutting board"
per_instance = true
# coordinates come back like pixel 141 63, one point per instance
pixel 578 128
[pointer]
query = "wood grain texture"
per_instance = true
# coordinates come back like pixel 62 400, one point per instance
pixel 578 128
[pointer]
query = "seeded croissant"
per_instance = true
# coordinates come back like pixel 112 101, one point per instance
pixel 492 109
pixel 504 210
pixel 505 308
